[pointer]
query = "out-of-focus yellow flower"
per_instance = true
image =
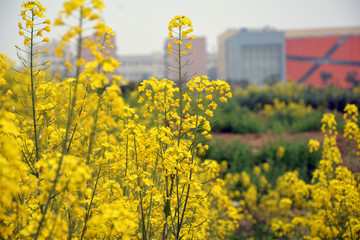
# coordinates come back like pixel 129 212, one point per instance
pixel 169 48
pixel 266 167
pixel 245 179
pixel 58 22
pixel 314 145
pixel 223 166
pixel 57 75
pixel 101 28
pixel 285 204
pixel 94 16
pixel 257 171
pixel 223 99
pixel 98 4
pixel 80 62
pixel 209 113
pixel 212 105
pixel 228 95
pixel 280 152
pixel 46 28
pixel 39 33
pixel 27 41
pixel 29 5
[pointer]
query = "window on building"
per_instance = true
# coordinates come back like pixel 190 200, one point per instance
pixel 261 63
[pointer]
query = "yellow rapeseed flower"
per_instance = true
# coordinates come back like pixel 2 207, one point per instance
pixel 169 48
pixel 314 145
pixel 46 28
pixel 223 99
pixel 80 62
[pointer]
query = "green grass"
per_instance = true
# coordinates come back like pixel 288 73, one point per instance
pixel 241 157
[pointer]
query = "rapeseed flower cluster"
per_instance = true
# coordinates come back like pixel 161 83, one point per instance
pixel 77 162
pixel 181 126
pixel 179 29
pixel 33 11
pixel 330 204
pixel 282 109
pixel 289 90
pixel 86 12
pixel 3 67
pixel 351 130
pixel 326 208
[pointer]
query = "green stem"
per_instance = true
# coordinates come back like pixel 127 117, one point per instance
pixel 126 160
pixel 76 124
pixel 93 130
pixel 72 106
pixel 180 89
pixel 68 124
pixel 33 95
pixel 153 175
pixel 191 172
pixel 90 205
pixel 143 227
pixel 96 113
pixel 347 216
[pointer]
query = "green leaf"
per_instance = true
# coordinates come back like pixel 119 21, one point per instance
pixel 167 208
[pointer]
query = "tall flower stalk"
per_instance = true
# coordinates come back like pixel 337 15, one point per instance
pixel 35 26
pixel 84 12
pixel 102 171
pixel 180 115
pixel 181 27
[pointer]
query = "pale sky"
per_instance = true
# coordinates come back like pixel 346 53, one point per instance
pixel 141 25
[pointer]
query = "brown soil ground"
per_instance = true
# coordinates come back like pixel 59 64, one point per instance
pixel 258 140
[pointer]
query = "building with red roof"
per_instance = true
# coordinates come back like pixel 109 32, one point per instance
pixel 319 57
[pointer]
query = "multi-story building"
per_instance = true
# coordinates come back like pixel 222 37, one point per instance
pixel 324 56
pixel 194 64
pixel 212 65
pixel 87 55
pixel 222 52
pixel 57 63
pixel 314 57
pixel 254 56
pixel 135 68
pixel 69 54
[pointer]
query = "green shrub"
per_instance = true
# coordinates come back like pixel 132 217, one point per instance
pixel 238 120
pixel 295 157
pixel 240 157
pixel 312 122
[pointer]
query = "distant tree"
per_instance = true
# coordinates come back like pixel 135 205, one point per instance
pixel 244 83
pixel 212 73
pixel 145 76
pixel 325 76
pixel 272 79
pixel 351 78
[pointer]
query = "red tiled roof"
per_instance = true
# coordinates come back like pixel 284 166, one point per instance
pixel 295 70
pixel 349 51
pixel 315 47
pixel 339 73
